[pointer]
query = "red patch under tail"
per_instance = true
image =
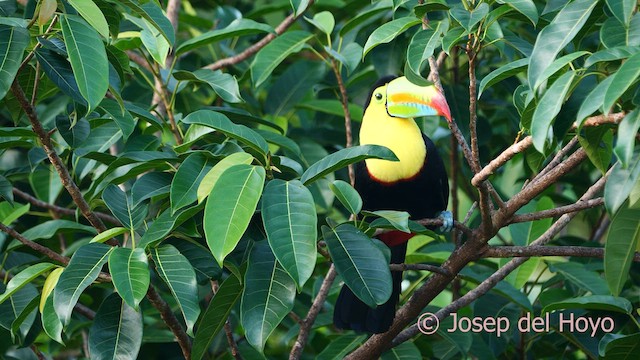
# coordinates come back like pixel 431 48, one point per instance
pixel 393 238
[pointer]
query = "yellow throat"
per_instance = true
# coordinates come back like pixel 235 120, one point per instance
pixel 402 136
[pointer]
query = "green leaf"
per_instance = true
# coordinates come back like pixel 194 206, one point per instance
pixel 122 117
pixel 547 109
pixel 360 263
pixel 558 65
pixel 622 239
pixel 598 144
pixel 423 44
pixel 46 184
pixel 290 221
pixel 324 21
pixel 92 14
pixel 122 207
pixel 178 274
pixel 225 85
pixel 88 59
pixel 405 351
pixel 6 190
pixel 453 37
pixel 579 275
pixel 230 206
pixel 374 10
pixel 82 270
pixel 593 101
pixel 627 131
pixel 184 186
pixel 129 269
pixel 525 7
pixel 340 346
pixel 555 36
pixel 622 9
pixel 150 185
pixel 626 75
pixel 332 107
pixel 213 175
pixel 347 195
pixel 10 213
pixel 616 53
pixel 200 258
pixel 620 183
pixel 116 331
pixel 501 73
pixel 397 219
pixel 626 347
pixel 73 134
pixel 50 321
pixel 270 56
pixel 58 69
pixel 163 224
pixel 154 15
pixel 389 31
pixel 216 315
pixel 292 86
pixel 24 277
pixel 268 295
pixel 469 19
pixel 238 27
pixel 593 302
pixel 18 313
pixel 344 157
pixel 222 123
pixel 13 42
pixel 157 45
pixel 48 229
pixel 110 233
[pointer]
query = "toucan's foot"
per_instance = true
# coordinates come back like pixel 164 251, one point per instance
pixel 447 221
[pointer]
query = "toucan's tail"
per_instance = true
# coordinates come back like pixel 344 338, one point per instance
pixel 351 313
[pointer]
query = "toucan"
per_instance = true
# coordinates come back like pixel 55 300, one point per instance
pixel 417 183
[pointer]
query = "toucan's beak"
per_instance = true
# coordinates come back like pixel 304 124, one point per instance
pixel 408 100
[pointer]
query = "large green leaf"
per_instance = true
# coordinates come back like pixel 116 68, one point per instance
pixel 374 10
pixel 121 205
pixel 121 116
pixel 178 274
pixel 222 123
pixel 502 73
pixel 225 85
pixel 92 14
pixel 48 229
pixel 593 101
pixel 164 223
pixel 557 65
pixel 150 185
pixel 622 239
pixel 116 332
pixel 184 187
pixel 626 75
pixel 340 346
pixel 230 206
pixel 200 258
pixel 19 309
pixel 129 269
pixel 24 277
pixel 268 295
pixel 597 142
pixel 154 16
pixel 593 302
pixel 627 132
pixel 46 184
pixel 344 157
pixel 525 7
pixel 423 44
pixel 50 321
pixel 622 9
pixel 13 42
pixel 213 175
pixel 73 134
pixel 620 183
pixel 270 56
pixel 290 221
pixel 156 44
pixel 584 278
pixel 547 109
pixel 555 36
pixel 88 59
pixel 347 195
pixel 405 351
pixel 83 269
pixel 469 19
pixel 360 263
pixel 625 347
pixel 238 27
pixel 616 53
pixel 388 32
pixel 58 69
pixel 216 315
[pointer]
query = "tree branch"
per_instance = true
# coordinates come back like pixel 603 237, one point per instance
pixel 344 100
pixel 578 206
pixel 419 267
pixel 34 245
pixel 538 250
pixel 281 28
pixel 307 323
pixel 170 319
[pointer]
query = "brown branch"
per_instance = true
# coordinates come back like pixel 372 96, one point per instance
pixel 578 206
pixel 34 245
pixel 281 28
pixel 139 60
pixel 557 159
pixel 540 250
pixel 58 209
pixel 419 267
pixel 170 319
pixel 344 100
pixel 307 323
pixel 501 273
pixel 65 177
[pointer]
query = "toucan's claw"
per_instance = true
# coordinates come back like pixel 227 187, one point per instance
pixel 447 221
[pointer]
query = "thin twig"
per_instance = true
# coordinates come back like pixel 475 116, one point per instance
pixel 540 250
pixel 248 52
pixel 170 319
pixel 344 100
pixel 419 267
pixel 557 159
pixel 578 206
pixel 307 323
pixel 34 245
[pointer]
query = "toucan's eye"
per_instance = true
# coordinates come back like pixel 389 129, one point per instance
pixel 378 96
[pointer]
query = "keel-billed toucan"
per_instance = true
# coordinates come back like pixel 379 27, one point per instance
pixel 417 183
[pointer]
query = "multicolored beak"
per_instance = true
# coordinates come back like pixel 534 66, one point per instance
pixel 408 100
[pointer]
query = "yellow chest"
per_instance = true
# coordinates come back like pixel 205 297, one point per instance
pixel 402 136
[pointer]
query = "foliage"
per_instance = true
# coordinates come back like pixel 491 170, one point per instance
pixel 215 155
